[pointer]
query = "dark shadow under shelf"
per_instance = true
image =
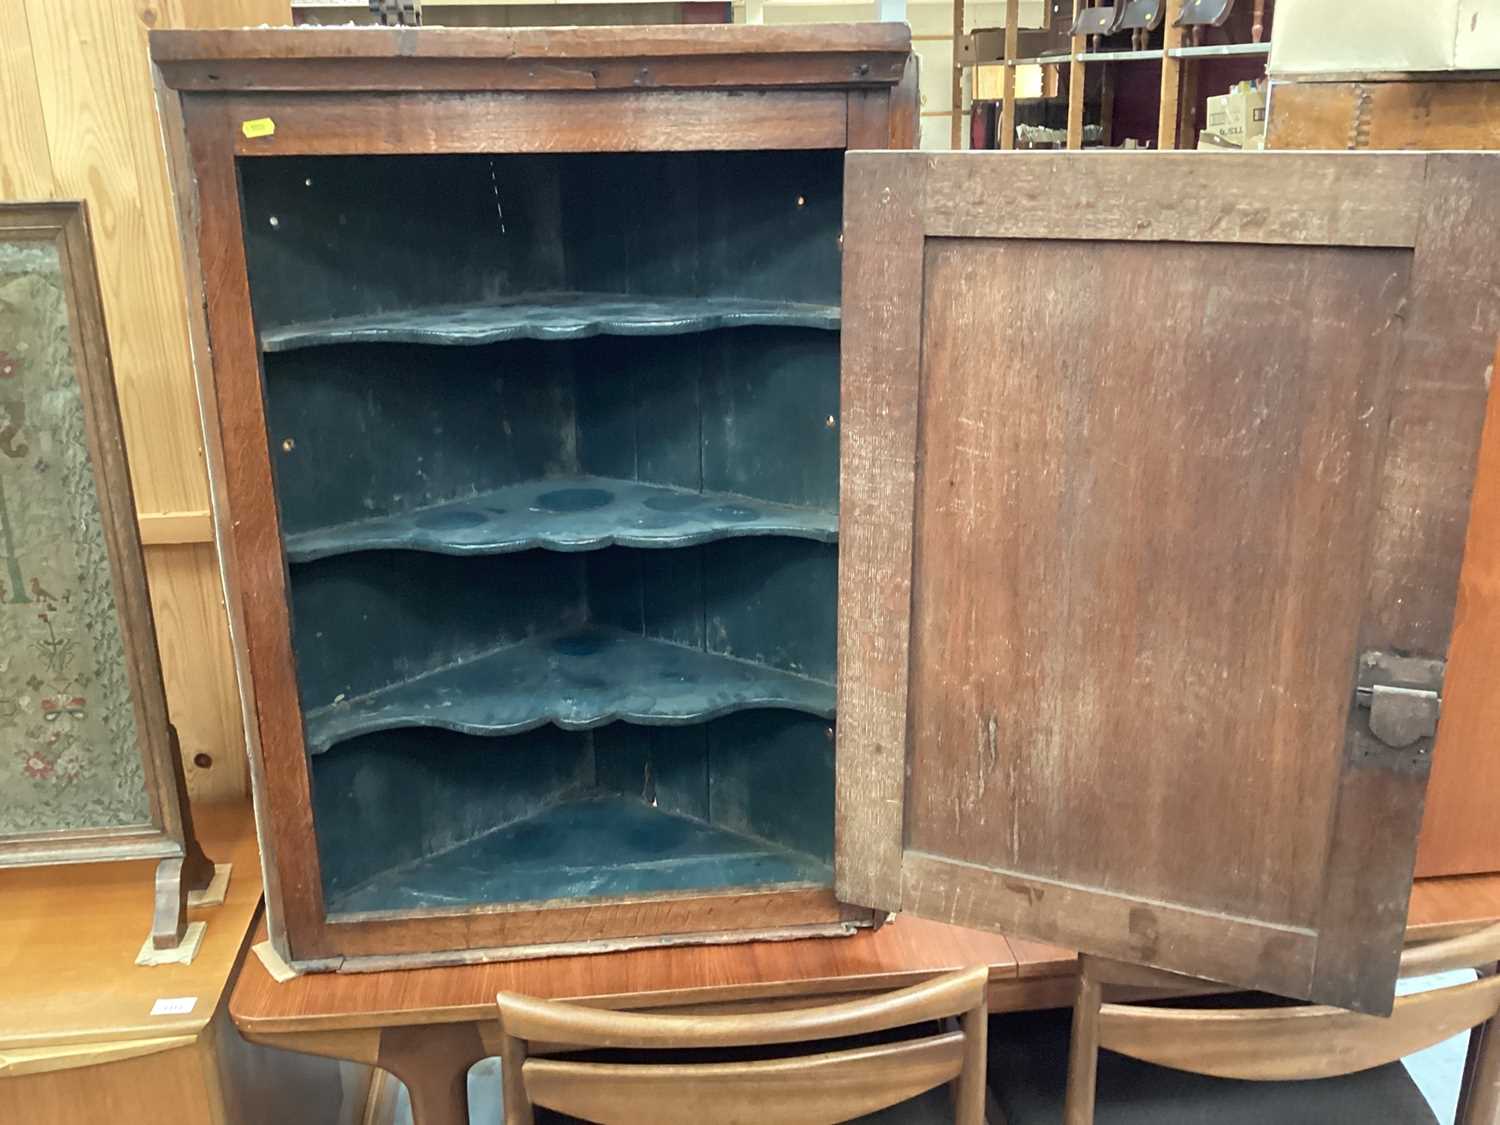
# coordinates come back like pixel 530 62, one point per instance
pixel 592 847
pixel 577 680
pixel 568 514
pixel 550 316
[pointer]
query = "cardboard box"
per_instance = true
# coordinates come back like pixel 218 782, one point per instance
pixel 982 45
pixel 1044 27
pixel 1208 142
pixel 1235 119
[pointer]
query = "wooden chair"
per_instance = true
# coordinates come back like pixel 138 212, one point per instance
pixel 791 1089
pixel 1168 1064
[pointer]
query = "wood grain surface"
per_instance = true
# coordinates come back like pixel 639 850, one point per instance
pixel 1465 951
pixel 581 59
pixel 1291 1044
pixel 876 496
pixel 235 407
pixel 418 121
pixel 78 114
pixel 1384 115
pixel 609 121
pixel 904 951
pixel 25 163
pixel 1099 611
pixel 72 934
pixel 548 1021
pixel 586 43
pixel 804 1090
pixel 213 1078
pixel 1041 521
pixel 1439 908
pixel 1442 907
pixel 1459 834
pixel 340 1016
pixel 821 1087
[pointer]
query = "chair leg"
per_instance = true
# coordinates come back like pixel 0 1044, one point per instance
pixel 512 1059
pixel 1466 1083
pixel 1083 1050
pixel 971 1079
pixel 1479 1101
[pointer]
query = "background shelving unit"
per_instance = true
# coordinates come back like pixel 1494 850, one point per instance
pixel 1187 72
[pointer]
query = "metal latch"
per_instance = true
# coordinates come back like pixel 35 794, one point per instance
pixel 1403 695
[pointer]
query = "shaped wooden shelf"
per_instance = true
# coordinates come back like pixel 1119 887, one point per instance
pixel 550 316
pixel 591 847
pixel 581 513
pixel 577 680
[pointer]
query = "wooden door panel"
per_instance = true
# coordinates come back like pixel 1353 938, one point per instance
pixel 1109 592
pixel 1136 486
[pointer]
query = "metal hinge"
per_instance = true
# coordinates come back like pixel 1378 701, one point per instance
pixel 1403 695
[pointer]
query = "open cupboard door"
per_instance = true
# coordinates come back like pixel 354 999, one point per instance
pixel 1155 478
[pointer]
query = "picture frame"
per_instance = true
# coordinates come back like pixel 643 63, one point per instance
pixel 89 763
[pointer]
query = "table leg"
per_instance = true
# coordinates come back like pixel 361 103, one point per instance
pixel 433 1062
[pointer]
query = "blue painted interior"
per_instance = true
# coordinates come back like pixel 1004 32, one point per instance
pixel 556 453
pixel 556 853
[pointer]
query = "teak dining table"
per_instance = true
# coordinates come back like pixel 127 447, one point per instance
pixel 429 1026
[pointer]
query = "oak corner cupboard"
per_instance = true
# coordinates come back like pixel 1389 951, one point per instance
pixel 526 372
pixel 646 525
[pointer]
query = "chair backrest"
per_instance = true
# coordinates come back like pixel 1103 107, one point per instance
pixel 1278 1043
pixel 796 1089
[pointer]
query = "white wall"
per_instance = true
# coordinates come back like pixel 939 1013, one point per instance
pixel 1334 36
pixel 932 39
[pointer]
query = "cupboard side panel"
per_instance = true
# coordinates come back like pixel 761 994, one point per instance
pixel 1460 834
pixel 253 526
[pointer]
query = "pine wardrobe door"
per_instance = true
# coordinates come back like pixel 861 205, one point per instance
pixel 1155 480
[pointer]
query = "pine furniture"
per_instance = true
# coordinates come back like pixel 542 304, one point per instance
pixel 79 1040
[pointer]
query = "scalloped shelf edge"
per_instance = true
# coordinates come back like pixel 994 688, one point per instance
pixel 563 317
pixel 593 657
pixel 568 514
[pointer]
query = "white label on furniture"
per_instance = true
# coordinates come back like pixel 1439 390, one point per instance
pixel 173 1005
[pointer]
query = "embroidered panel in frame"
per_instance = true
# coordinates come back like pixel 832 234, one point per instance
pixel 70 750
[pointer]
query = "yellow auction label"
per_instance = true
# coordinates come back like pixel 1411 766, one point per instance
pixel 258 127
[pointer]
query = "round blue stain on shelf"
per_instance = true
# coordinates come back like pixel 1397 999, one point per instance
pixel 658 522
pixel 734 513
pixel 573 499
pixel 580 644
pixel 672 503
pixel 450 520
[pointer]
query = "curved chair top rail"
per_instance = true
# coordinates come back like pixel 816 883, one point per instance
pixel 1481 947
pixel 553 1022
pixel 1284 1044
